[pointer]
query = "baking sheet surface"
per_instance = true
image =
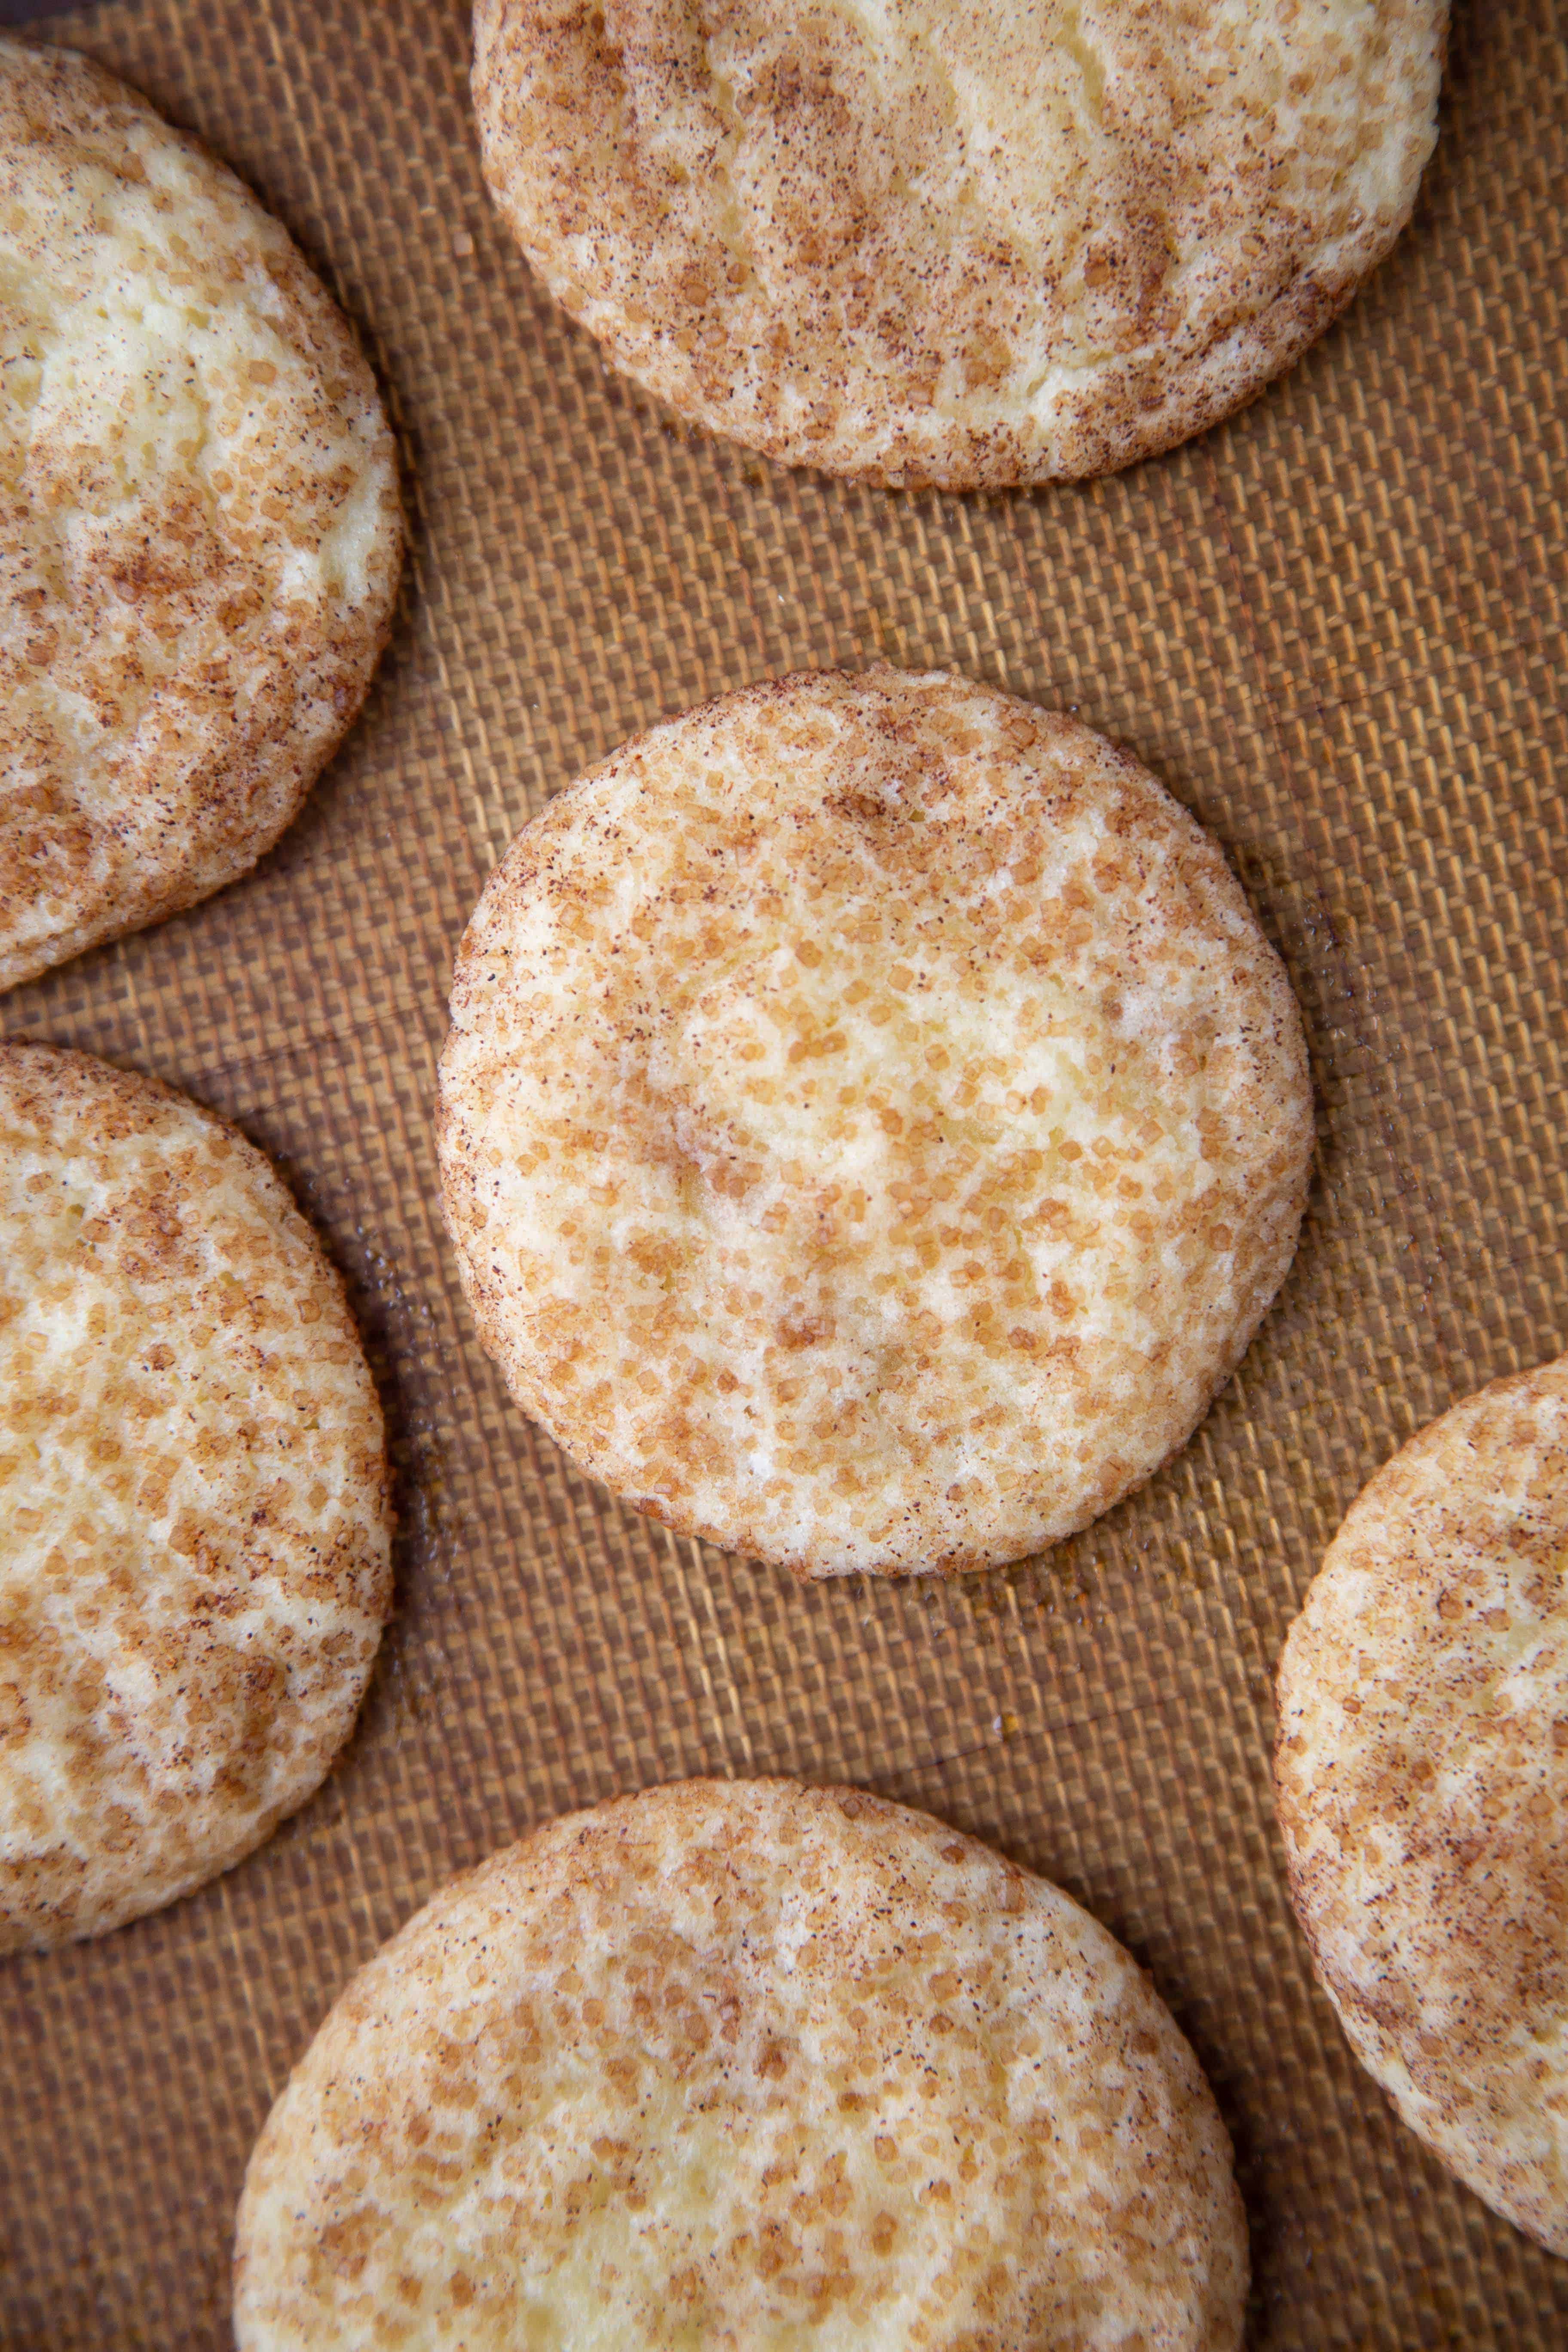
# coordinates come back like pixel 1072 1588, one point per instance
pixel 1334 627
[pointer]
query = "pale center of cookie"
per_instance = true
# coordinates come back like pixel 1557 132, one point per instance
pixel 874 1150
pixel 935 1109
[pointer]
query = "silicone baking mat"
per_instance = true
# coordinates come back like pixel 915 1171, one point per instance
pixel 1335 627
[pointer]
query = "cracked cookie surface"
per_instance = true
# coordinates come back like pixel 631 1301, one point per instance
pixel 872 1124
pixel 748 2066
pixel 972 245
pixel 1422 1777
pixel 195 1546
pixel 199 527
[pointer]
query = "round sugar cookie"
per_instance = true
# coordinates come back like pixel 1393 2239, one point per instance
pixel 199 526
pixel 195 1562
pixel 1422 1777
pixel 745 2065
pixel 976 242
pixel 873 1123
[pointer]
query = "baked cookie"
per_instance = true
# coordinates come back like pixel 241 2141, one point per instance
pixel 967 243
pixel 745 2065
pixel 199 527
pixel 194 1521
pixel 1422 1775
pixel 872 1124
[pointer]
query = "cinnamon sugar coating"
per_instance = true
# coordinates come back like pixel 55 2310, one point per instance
pixel 195 1546
pixel 746 2066
pixel 872 1124
pixel 199 526
pixel 984 243
pixel 1422 1779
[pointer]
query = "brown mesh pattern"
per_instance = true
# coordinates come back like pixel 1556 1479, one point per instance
pixel 1335 628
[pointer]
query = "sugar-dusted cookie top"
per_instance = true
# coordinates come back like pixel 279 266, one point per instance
pixel 194 1563
pixel 199 526
pixel 969 244
pixel 745 2065
pixel 1422 1773
pixel 872 1124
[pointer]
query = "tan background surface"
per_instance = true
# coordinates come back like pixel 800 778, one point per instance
pixel 1335 626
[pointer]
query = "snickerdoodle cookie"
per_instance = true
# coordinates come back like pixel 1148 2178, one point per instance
pixel 872 1124
pixel 193 1523
pixel 745 2065
pixel 199 525
pixel 969 244
pixel 1422 1773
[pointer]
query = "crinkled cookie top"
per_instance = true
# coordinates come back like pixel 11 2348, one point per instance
pixel 745 2066
pixel 967 243
pixel 1422 1772
pixel 199 529
pixel 195 1548
pixel 872 1124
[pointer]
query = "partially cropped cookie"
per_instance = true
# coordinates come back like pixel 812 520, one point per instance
pixel 754 2065
pixel 872 1124
pixel 961 244
pixel 199 527
pixel 1422 1775
pixel 194 1522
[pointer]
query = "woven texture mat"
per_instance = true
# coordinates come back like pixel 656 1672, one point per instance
pixel 1335 628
